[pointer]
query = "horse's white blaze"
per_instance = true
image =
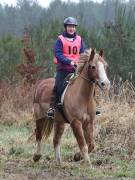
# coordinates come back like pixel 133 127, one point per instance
pixel 102 74
pixel 57 154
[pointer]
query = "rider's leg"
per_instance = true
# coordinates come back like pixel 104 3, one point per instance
pixel 53 103
pixel 60 76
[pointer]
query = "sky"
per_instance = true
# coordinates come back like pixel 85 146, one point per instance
pixel 44 3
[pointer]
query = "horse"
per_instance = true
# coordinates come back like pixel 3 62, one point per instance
pixel 78 106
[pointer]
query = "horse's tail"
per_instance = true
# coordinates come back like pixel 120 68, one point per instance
pixel 44 125
pixel 48 126
pixel 46 130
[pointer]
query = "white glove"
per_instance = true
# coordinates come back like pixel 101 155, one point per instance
pixel 72 63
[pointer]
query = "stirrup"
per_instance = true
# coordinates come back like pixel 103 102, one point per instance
pixel 50 113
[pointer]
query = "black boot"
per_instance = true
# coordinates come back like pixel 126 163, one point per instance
pixel 53 105
pixel 98 113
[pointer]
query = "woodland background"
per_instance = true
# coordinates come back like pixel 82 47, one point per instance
pixel 109 25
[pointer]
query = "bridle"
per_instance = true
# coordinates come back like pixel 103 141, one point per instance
pixel 91 81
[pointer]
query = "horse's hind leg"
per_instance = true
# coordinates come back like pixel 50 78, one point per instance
pixel 59 127
pixel 78 132
pixel 39 133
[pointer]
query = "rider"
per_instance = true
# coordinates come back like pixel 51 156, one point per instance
pixel 67 50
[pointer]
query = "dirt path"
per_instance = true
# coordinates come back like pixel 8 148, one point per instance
pixel 20 170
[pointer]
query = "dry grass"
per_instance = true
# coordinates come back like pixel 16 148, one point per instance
pixel 16 103
pixel 116 124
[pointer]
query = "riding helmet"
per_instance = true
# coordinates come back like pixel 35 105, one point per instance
pixel 70 21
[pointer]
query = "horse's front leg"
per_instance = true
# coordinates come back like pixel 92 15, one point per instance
pixel 59 127
pixel 88 133
pixel 78 132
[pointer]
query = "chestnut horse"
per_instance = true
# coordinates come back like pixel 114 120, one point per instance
pixel 79 106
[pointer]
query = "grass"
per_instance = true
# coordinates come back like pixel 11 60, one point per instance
pixel 16 155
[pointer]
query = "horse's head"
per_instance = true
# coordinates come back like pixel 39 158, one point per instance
pixel 96 68
pixel 93 65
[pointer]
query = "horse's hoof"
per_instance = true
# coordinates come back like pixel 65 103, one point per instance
pixel 78 156
pixel 36 157
pixel 86 162
pixel 59 163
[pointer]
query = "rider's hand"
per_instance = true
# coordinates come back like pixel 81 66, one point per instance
pixel 72 63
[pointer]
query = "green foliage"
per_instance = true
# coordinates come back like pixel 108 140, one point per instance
pixel 109 26
pixel 42 40
pixel 119 44
pixel 10 55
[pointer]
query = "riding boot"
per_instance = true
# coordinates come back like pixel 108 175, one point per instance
pixel 98 113
pixel 53 105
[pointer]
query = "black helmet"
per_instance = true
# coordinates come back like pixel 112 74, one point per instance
pixel 70 21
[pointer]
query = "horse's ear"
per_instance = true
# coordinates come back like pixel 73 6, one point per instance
pixel 93 52
pixel 101 52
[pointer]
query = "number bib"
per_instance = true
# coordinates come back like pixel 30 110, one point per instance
pixel 71 49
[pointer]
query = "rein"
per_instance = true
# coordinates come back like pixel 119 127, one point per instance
pixel 92 81
pixel 89 80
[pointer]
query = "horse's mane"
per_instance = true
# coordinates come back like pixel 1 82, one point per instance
pixel 84 57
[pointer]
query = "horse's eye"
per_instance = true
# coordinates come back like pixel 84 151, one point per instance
pixel 92 67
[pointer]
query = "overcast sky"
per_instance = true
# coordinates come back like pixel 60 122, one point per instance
pixel 44 3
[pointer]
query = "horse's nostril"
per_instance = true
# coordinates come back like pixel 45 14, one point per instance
pixel 102 84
